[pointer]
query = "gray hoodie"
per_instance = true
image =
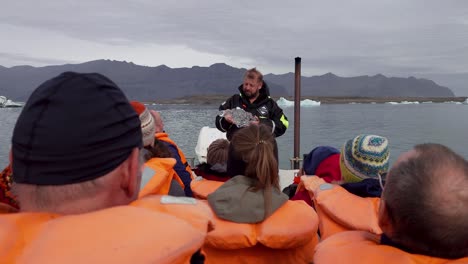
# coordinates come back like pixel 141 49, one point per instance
pixel 236 201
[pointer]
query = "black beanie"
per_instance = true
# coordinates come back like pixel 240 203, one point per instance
pixel 74 128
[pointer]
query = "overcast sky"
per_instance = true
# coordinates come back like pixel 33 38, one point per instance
pixel 421 38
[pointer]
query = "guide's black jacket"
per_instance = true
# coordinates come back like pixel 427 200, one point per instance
pixel 264 107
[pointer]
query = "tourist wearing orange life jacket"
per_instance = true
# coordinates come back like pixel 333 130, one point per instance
pixel 181 167
pixel 422 214
pixel 77 179
pixel 252 214
pixel 355 167
pixel 361 162
pixel 158 176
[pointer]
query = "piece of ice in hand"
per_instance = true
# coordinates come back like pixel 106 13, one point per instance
pixel 240 117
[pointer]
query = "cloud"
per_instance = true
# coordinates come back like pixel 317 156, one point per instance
pixel 23 59
pixel 355 37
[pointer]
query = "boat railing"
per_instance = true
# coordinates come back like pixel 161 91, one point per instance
pixel 294 161
pixel 191 161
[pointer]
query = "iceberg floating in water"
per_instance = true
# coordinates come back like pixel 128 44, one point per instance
pixel 283 102
pixel 402 102
pixel 308 102
pixel 4 102
pixel 407 102
pixel 453 102
pixel 428 102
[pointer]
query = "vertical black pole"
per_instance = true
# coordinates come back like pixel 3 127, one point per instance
pixel 297 112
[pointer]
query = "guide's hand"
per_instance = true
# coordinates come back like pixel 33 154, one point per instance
pixel 229 118
pixel 256 122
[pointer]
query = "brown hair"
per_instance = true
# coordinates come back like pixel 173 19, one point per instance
pixel 255 145
pixel 217 152
pixel 159 150
pixel 426 201
pixel 254 74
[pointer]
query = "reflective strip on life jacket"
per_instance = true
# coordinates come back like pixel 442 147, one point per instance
pixel 284 120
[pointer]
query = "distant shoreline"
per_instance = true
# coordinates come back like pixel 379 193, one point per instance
pixel 218 99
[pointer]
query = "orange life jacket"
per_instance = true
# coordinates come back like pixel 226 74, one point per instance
pixel 338 210
pixel 364 247
pixel 202 187
pixel 161 172
pixel 289 235
pixel 164 137
pixel 155 229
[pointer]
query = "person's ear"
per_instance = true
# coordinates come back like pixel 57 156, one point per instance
pixel 131 174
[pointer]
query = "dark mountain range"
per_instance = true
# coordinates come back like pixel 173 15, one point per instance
pixel 363 86
pixel 161 82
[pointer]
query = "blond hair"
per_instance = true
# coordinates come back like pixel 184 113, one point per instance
pixel 254 74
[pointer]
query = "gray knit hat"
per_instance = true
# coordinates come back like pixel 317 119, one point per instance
pixel 218 152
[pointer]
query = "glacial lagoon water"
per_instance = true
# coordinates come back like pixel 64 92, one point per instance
pixel 403 124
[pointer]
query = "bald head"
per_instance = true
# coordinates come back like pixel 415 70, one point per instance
pixel 426 202
pixel 158 122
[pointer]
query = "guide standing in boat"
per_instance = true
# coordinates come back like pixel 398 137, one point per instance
pixel 254 97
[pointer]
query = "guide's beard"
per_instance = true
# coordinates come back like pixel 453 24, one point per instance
pixel 251 95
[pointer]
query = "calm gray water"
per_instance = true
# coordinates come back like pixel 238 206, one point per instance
pixel 403 125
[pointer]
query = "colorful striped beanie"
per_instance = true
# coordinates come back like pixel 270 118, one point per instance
pixel 364 156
